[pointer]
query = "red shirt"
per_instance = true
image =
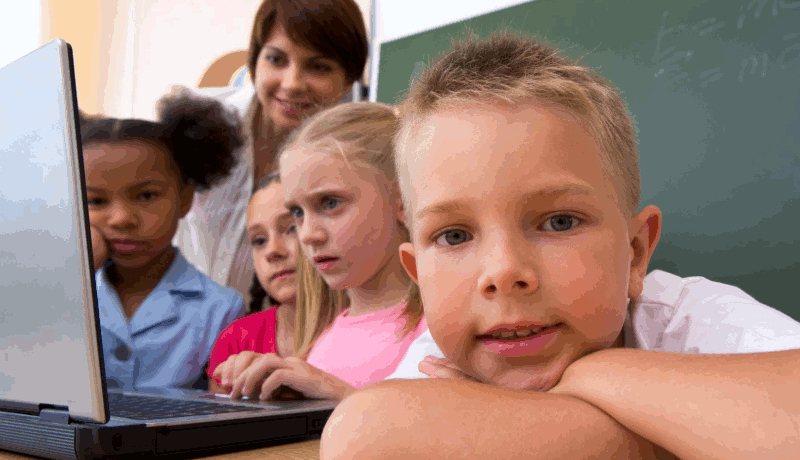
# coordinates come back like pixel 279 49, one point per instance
pixel 255 333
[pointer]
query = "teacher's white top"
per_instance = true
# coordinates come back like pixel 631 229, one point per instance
pixel 211 235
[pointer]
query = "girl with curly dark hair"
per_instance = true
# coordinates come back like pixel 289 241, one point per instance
pixel 159 315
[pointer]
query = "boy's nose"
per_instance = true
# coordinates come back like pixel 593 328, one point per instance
pixel 506 273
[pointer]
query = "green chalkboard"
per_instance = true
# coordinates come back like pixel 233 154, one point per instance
pixel 714 88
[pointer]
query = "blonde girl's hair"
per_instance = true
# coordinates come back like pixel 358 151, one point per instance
pixel 512 69
pixel 361 133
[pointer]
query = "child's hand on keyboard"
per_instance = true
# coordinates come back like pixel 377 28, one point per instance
pixel 227 372
pixel 272 377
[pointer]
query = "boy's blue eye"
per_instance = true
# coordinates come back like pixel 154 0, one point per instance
pixel 273 59
pixel 291 230
pixel 297 213
pixel 562 223
pixel 330 203
pixel 95 201
pixel 453 237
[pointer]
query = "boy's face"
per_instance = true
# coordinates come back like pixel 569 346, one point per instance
pixel 524 257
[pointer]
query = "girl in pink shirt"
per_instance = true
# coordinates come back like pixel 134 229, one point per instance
pixel 357 311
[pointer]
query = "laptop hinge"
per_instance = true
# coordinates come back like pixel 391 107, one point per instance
pixel 20 407
pixel 55 414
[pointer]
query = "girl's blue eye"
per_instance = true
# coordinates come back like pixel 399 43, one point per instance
pixel 561 223
pixel 453 237
pixel 297 213
pixel 330 203
pixel 258 241
pixel 291 230
pixel 273 59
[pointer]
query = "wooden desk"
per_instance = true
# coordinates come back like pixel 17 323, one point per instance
pixel 304 450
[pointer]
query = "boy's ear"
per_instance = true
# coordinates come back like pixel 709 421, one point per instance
pixel 644 230
pixel 409 260
pixel 186 197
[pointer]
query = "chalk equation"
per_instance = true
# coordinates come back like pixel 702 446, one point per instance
pixel 669 60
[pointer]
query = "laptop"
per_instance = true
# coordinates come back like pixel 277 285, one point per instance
pixel 53 397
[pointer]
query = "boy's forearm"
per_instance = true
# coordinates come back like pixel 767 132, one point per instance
pixel 697 406
pixel 463 420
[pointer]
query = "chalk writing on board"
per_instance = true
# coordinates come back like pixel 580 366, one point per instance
pixel 710 76
pixel 752 62
pixel 791 53
pixel 760 4
pixel 670 62
pixel 708 25
pixel 670 68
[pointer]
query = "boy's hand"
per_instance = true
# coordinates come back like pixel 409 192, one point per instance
pixel 99 248
pixel 272 377
pixel 231 368
pixel 442 368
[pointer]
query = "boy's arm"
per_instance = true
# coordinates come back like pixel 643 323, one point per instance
pixel 457 420
pixel 735 406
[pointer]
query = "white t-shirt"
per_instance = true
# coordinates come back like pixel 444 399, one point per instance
pixel 697 315
pixel 682 315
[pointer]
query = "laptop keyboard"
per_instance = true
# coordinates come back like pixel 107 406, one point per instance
pixel 139 407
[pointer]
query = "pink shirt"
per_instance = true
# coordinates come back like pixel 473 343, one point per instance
pixel 364 349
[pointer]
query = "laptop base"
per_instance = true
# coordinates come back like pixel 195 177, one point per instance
pixel 28 434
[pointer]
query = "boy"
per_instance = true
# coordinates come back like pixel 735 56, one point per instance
pixel 527 255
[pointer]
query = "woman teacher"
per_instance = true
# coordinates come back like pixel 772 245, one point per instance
pixel 303 56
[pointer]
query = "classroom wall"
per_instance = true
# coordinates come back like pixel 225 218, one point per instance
pixel 128 53
pixel 20 29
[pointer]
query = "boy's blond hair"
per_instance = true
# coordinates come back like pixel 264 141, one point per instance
pixel 360 133
pixel 512 69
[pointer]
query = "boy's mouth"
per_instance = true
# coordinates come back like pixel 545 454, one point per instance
pixel 514 332
pixel 519 342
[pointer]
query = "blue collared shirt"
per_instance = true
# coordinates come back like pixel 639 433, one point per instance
pixel 168 340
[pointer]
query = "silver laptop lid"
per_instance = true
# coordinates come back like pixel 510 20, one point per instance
pixel 49 346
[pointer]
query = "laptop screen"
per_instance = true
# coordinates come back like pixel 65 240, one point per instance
pixel 49 351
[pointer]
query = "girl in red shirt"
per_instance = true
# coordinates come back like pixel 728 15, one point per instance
pixel 271 234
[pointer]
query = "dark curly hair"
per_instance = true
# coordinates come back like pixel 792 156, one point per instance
pixel 199 133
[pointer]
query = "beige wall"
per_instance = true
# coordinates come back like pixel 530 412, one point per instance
pixel 130 52
pixel 77 22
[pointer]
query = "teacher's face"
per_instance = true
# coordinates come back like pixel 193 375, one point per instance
pixel 294 82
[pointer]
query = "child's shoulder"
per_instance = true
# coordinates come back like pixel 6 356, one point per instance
pixel 697 315
pixel 186 280
pixel 257 324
